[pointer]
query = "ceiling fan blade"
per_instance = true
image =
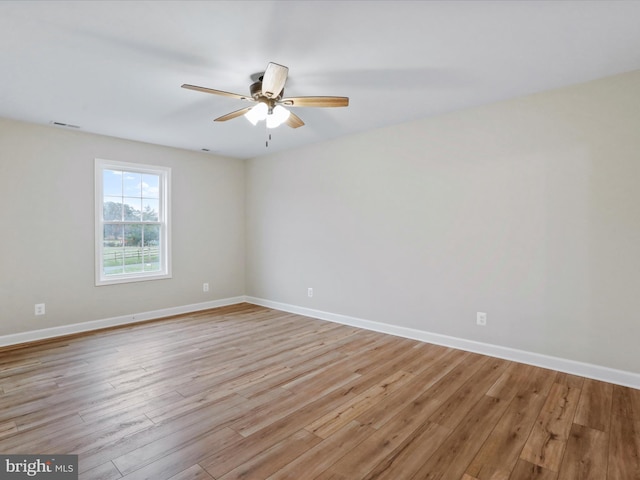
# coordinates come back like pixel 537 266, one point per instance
pixel 294 121
pixel 231 115
pixel 216 92
pixel 274 79
pixel 315 101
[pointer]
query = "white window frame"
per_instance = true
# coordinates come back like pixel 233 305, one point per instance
pixel 164 220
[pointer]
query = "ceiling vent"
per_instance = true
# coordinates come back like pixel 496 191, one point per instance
pixel 60 124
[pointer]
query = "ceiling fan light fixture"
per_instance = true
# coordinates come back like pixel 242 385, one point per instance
pixel 257 113
pixel 277 117
pixel 268 91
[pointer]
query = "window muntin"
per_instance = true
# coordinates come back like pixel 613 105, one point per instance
pixel 132 222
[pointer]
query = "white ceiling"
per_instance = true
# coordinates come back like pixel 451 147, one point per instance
pixel 115 67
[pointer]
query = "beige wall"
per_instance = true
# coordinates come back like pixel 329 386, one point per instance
pixel 528 210
pixel 47 218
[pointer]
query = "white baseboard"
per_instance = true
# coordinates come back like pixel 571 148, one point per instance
pixel 46 333
pixel 596 372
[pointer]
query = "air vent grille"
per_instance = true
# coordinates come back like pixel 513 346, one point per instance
pixel 61 124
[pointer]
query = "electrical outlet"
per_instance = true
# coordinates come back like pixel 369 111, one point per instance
pixel 39 309
pixel 205 287
pixel 310 292
pixel 481 319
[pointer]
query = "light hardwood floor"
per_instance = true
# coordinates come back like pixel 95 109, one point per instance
pixel 245 392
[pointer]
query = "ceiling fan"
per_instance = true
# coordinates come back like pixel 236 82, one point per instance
pixel 268 94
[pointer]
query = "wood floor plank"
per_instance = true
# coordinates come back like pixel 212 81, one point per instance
pixel 224 412
pixel 106 471
pixel 274 458
pixel 222 462
pixel 88 439
pixel 182 405
pixel 366 455
pixel 177 461
pixel 586 455
pixel 8 428
pixel 453 457
pixel 569 380
pixel 549 436
pixel 264 415
pixel 594 407
pixel 626 402
pixel 195 472
pixel 428 355
pixel 58 404
pixel 431 395
pixel 624 449
pixel 528 471
pixel 422 382
pixel 519 378
pixel 321 381
pixel 296 369
pixel 394 433
pixel 336 419
pixel 451 413
pixel 151 397
pixel 251 392
pixel 500 452
pixel 386 358
pixel 320 457
pixel 159 448
pixel 411 454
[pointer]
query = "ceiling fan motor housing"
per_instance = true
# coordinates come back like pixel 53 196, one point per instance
pixel 256 91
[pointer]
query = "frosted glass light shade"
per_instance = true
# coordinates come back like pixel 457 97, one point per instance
pixel 257 113
pixel 278 117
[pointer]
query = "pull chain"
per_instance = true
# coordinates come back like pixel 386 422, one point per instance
pixel 266 132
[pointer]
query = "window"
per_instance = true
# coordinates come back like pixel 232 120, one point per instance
pixel 132 222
